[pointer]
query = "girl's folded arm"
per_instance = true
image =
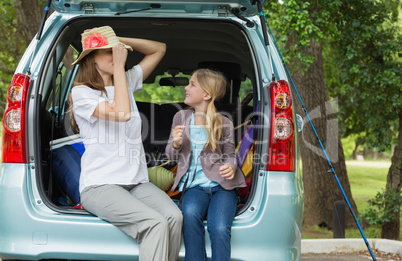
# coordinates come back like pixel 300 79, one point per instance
pixel 171 152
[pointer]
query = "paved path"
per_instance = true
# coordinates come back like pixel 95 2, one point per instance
pixel 330 257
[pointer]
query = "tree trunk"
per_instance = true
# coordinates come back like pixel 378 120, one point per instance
pixel 30 15
pixel 321 189
pixel 19 26
pixel 391 229
pixel 375 155
pixel 358 142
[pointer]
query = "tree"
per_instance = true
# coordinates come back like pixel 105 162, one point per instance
pixel 19 23
pixel 302 25
pixel 368 81
pixel 29 17
pixel 391 229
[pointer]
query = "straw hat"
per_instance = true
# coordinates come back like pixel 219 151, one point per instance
pixel 98 38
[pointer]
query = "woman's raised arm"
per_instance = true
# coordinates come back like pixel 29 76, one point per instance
pixel 153 51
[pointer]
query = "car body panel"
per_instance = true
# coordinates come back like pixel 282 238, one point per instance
pixel 32 229
pixel 246 7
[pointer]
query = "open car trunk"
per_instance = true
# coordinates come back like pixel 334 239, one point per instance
pixel 191 44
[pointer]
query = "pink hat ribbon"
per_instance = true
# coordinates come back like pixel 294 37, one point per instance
pixel 95 40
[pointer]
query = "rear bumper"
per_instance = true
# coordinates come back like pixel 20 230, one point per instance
pixel 30 230
pixel 270 229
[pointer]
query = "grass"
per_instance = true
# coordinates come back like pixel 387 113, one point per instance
pixel 366 178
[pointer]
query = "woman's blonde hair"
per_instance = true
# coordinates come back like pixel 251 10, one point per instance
pixel 214 83
pixel 89 76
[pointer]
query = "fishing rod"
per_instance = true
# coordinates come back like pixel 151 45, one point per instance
pixel 262 17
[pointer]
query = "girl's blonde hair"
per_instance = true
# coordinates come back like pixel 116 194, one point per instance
pixel 89 76
pixel 214 83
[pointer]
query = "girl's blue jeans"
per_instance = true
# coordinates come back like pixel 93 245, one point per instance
pixel 219 206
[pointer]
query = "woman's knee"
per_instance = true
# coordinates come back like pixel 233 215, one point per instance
pixel 159 219
pixel 177 216
pixel 174 218
pixel 158 224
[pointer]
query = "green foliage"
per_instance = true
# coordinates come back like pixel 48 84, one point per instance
pixel 161 94
pixel 166 94
pixel 348 145
pixel 383 207
pixel 366 178
pixel 367 78
pixel 12 47
pixel 315 232
pixel 297 23
pixel 361 42
pixel 246 88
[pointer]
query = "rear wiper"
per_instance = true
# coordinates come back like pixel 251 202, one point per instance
pixel 152 6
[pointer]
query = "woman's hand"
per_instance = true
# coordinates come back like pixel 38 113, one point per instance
pixel 120 108
pixel 226 172
pixel 119 55
pixel 177 135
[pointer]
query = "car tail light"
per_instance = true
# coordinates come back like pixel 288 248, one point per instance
pixel 281 154
pixel 14 148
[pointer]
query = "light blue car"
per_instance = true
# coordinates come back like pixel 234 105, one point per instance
pixel 40 215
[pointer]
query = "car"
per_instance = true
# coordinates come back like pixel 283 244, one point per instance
pixel 40 216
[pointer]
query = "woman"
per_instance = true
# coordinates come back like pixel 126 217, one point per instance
pixel 207 175
pixel 114 182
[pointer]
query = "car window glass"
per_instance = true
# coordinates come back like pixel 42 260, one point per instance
pixel 63 84
pixel 161 94
pixel 245 88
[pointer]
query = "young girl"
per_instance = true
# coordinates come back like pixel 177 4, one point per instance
pixel 114 182
pixel 202 141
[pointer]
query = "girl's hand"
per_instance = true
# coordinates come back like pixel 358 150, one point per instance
pixel 226 172
pixel 177 135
